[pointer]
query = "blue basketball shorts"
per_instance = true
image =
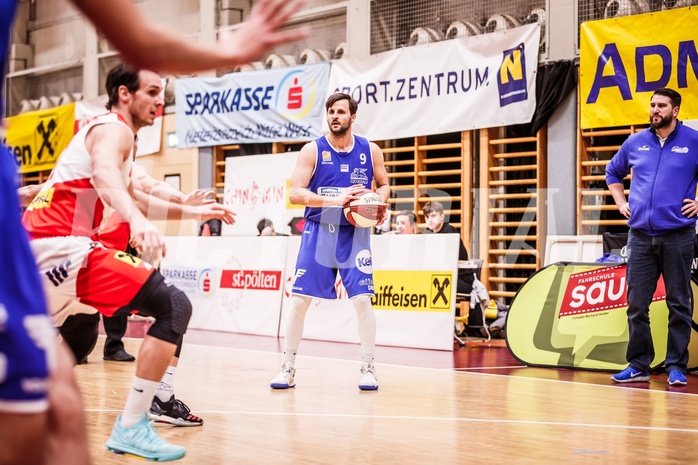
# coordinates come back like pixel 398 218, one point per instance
pixel 27 338
pixel 330 249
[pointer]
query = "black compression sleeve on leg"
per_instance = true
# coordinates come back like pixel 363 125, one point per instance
pixel 170 307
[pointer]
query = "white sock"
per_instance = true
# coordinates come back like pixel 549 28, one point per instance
pixel 367 326
pixel 140 397
pixel 294 327
pixel 290 358
pixel 166 386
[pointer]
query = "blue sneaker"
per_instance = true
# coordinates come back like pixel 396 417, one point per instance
pixel 141 441
pixel 631 375
pixel 676 378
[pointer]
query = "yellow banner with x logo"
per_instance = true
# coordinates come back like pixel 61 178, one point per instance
pixel 420 291
pixel 37 138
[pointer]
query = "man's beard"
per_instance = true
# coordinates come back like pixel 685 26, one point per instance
pixel 339 132
pixel 662 123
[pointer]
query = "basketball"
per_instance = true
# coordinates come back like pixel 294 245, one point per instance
pixel 365 211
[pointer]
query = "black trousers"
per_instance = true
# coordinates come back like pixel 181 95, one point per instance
pixel 80 333
pixel 115 328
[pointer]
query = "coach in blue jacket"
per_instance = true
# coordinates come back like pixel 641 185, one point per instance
pixel 661 212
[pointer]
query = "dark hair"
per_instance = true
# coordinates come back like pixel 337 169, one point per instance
pixel 674 96
pixel 337 96
pixel 263 223
pixel 120 75
pixel 432 206
pixel 410 216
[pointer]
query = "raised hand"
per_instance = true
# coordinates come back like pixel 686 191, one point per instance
pixel 216 210
pixel 199 197
pixel 261 31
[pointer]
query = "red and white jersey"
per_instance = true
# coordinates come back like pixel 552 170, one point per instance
pixel 114 232
pixel 68 203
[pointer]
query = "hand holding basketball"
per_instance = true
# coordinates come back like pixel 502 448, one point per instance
pixel 365 211
pixel 350 193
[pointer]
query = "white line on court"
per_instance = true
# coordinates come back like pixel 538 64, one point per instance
pixel 442 419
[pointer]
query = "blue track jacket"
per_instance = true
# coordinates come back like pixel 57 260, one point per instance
pixel 662 178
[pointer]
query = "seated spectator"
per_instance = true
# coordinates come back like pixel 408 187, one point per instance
pixel 214 227
pixel 405 223
pixel 266 227
pixel 434 215
pixel 296 224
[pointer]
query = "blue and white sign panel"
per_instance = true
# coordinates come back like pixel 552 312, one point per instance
pixel 277 105
pixel 454 85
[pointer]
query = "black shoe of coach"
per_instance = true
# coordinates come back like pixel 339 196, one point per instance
pixel 120 356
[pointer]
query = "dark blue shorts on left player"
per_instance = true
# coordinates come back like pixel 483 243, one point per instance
pixel 27 337
pixel 330 249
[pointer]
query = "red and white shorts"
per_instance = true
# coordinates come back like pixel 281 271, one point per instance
pixel 79 268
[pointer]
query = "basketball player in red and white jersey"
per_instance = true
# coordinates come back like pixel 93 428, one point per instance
pixel 79 324
pixel 114 233
pixel 94 173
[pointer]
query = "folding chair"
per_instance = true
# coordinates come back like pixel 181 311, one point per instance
pixel 463 300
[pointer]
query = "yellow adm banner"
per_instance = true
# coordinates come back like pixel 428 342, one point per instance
pixel 418 291
pixel 623 60
pixel 37 138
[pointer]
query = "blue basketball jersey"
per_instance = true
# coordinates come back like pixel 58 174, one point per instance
pixel 334 172
pixel 26 335
pixel 7 14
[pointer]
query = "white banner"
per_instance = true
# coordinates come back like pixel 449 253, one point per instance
pixel 483 81
pixel 148 137
pixel 234 284
pixel 256 187
pixel 277 105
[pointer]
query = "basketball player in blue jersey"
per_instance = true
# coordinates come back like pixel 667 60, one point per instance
pixel 331 171
pixel 41 413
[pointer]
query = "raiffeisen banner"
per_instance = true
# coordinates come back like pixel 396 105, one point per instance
pixel 417 291
pixel 622 61
pixel 37 138
pixel 278 105
pixel 454 85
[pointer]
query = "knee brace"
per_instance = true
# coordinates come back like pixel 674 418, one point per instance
pixel 170 307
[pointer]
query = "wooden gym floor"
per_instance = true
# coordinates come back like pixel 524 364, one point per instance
pixel 474 405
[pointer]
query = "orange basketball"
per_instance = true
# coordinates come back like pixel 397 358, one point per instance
pixel 365 211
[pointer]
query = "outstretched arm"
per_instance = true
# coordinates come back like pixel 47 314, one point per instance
pixel 155 208
pixel 144 44
pixel 144 182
